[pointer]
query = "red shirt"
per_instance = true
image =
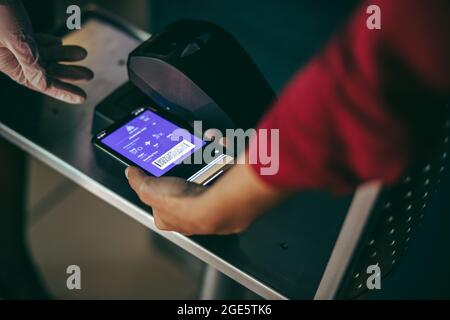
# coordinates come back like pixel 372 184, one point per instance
pixel 353 113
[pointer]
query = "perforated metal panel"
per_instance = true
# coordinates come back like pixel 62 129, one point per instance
pixel 397 216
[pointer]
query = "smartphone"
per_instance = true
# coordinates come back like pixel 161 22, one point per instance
pixel 162 145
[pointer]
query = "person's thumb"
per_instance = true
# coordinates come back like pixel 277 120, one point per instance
pixel 158 191
pixel 150 190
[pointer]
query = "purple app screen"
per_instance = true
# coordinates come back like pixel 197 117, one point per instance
pixel 147 141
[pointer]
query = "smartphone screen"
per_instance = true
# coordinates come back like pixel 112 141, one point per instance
pixel 148 140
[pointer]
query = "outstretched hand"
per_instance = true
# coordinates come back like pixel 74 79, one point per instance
pixel 34 60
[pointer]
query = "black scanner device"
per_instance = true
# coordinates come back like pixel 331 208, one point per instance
pixel 195 70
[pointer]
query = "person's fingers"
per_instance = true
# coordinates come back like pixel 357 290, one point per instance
pixel 157 191
pixel 143 185
pixel 9 64
pixel 68 53
pixel 65 92
pixel 166 221
pixel 163 223
pixel 69 72
pixel 169 198
pixel 25 51
pixel 47 40
pixel 159 223
pixel 56 88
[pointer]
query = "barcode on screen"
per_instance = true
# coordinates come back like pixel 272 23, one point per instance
pixel 173 154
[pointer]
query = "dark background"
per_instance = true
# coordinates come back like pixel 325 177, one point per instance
pixel 281 36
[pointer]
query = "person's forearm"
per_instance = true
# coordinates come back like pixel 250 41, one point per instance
pixel 236 199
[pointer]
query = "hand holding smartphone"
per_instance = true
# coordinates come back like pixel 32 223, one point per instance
pixel 160 145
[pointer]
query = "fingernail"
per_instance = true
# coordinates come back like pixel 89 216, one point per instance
pixel 126 173
pixel 81 53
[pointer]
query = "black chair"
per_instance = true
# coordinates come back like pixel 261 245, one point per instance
pixel 381 224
